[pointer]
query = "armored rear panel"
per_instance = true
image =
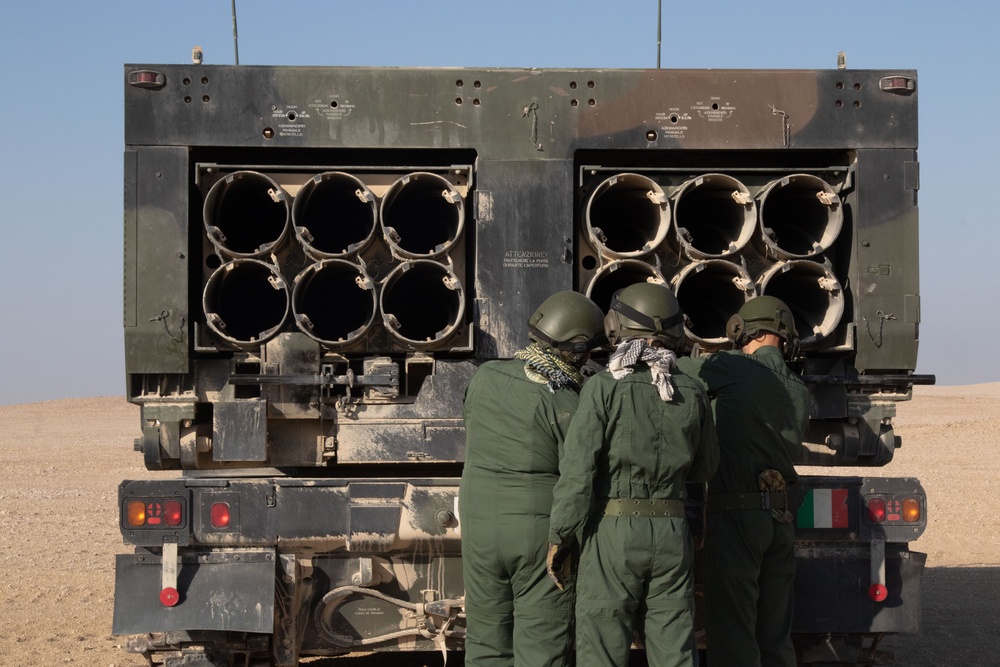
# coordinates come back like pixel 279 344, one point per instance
pixel 326 254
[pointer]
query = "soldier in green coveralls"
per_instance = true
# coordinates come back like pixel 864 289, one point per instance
pixel 642 429
pixel 761 413
pixel 516 416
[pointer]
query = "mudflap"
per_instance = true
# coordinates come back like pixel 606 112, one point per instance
pixel 227 591
pixel 836 621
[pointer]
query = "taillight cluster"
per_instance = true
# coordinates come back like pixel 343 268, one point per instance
pixel 893 509
pixel 154 513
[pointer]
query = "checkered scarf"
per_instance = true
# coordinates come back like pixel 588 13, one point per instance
pixel 544 366
pixel 660 361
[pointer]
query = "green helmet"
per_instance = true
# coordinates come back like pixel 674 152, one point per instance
pixel 762 313
pixel 648 310
pixel 567 321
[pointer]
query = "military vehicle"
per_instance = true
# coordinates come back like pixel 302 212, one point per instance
pixel 318 258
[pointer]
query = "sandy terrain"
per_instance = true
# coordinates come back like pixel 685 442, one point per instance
pixel 62 462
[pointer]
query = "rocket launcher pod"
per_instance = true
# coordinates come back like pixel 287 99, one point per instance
pixel 229 291
pixel 627 215
pixel 333 302
pixel 334 215
pixel 800 216
pixel 422 215
pixel 714 216
pixel 246 215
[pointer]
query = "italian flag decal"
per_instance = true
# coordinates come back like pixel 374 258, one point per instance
pixel 823 508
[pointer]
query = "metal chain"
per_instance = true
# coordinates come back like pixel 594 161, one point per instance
pixel 882 317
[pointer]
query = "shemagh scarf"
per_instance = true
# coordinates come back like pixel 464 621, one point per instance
pixel 660 361
pixel 544 366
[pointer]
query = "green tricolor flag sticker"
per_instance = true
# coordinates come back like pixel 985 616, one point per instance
pixel 823 508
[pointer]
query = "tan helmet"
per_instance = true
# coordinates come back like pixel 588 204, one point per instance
pixel 569 322
pixel 647 310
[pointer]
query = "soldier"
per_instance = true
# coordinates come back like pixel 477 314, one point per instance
pixel 761 412
pixel 641 430
pixel 516 416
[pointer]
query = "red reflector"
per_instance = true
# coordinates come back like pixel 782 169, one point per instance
pixel 897 84
pixel 172 513
pixel 169 597
pixel 220 515
pixel 876 510
pixel 878 592
pixel 154 513
pixel 146 79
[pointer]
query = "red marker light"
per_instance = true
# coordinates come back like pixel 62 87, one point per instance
pixel 878 592
pixel 169 597
pixel 220 515
pixel 172 515
pixel 876 510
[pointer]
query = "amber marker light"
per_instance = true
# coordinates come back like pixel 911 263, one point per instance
pixel 911 510
pixel 136 513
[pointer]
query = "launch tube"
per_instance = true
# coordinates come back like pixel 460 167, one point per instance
pixel 617 275
pixel 710 292
pixel 333 301
pixel 422 215
pixel 813 294
pixel 714 216
pixel 627 215
pixel 246 215
pixel 422 303
pixel 800 216
pixel 334 215
pixel 228 296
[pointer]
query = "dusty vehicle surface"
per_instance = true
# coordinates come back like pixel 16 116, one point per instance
pixel 318 258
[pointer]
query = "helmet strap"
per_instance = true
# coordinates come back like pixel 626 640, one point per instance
pixel 654 324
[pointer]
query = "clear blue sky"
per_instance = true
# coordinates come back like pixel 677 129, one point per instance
pixel 61 147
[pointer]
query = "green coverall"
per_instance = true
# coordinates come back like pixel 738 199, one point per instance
pixel 515 430
pixel 635 571
pixel 761 414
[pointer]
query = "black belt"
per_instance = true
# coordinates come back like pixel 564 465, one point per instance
pixel 763 500
pixel 639 507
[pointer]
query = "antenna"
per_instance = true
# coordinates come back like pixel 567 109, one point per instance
pixel 236 39
pixel 659 28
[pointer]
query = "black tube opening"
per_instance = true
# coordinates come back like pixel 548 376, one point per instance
pixel 334 215
pixel 246 214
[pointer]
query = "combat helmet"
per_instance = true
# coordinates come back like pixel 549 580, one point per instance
pixel 763 313
pixel 647 310
pixel 569 322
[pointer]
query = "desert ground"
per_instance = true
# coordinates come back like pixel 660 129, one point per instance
pixel 61 462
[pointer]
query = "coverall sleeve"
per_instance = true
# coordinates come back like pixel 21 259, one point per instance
pixel 573 493
pixel 706 456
